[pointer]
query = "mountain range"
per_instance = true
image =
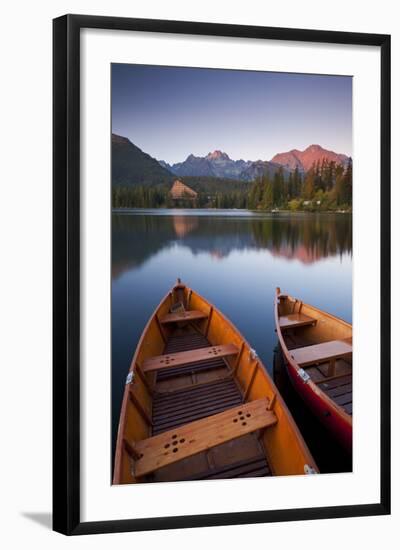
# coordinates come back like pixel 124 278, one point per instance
pixel 218 164
pixel 132 166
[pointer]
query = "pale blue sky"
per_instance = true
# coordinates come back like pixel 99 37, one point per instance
pixel 170 112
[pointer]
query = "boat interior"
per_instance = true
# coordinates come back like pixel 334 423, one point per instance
pixel 197 390
pixel 201 405
pixel 321 345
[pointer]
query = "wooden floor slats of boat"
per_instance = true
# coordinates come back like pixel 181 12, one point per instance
pixel 180 395
pixel 256 466
pixel 336 382
pixel 222 393
pixel 181 406
pixel 186 342
pixel 340 390
pixel 171 411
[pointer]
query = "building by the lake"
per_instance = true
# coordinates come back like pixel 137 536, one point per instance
pixel 181 191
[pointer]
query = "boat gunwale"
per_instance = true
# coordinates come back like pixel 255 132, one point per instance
pixel 319 392
pixel 125 398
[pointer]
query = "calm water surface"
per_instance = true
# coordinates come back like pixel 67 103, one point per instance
pixel 235 259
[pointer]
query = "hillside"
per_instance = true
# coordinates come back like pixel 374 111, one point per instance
pixel 131 166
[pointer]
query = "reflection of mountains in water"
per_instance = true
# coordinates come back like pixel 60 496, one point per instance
pixel 307 238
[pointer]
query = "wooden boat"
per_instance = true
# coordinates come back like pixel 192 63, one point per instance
pixel 317 350
pixel 199 404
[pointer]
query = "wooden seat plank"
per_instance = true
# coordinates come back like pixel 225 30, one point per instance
pixel 191 315
pixel 319 353
pixel 187 440
pixel 294 320
pixel 188 357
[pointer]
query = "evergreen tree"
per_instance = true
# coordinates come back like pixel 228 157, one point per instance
pixel 277 187
pixel 330 175
pixel 290 187
pixel 268 197
pixel 308 189
pixel 338 188
pixel 297 183
pixel 347 185
pixel 317 177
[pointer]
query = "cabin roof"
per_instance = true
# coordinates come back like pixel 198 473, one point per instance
pixel 179 191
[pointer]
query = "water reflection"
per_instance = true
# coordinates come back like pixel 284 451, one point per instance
pixel 136 237
pixel 234 259
pixel 184 224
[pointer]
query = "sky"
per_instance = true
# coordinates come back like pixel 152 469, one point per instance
pixel 171 112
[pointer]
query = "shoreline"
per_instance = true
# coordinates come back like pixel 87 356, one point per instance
pixel 277 212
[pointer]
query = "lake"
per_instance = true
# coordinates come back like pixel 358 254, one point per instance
pixel 235 259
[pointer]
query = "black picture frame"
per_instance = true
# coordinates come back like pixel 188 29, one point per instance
pixel 66 273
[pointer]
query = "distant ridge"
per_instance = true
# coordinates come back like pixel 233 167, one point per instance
pixel 219 164
pixel 215 164
pixel 131 166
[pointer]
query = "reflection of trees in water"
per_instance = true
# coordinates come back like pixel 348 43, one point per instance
pixel 308 238
pixel 136 238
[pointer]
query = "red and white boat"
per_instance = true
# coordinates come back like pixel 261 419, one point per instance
pixel 317 351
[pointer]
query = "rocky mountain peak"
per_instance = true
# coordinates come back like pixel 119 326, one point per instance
pixel 303 160
pixel 217 155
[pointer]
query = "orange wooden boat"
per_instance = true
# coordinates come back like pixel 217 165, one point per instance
pixel 317 349
pixel 199 404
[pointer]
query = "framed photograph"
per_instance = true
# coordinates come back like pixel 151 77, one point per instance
pixel 221 274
